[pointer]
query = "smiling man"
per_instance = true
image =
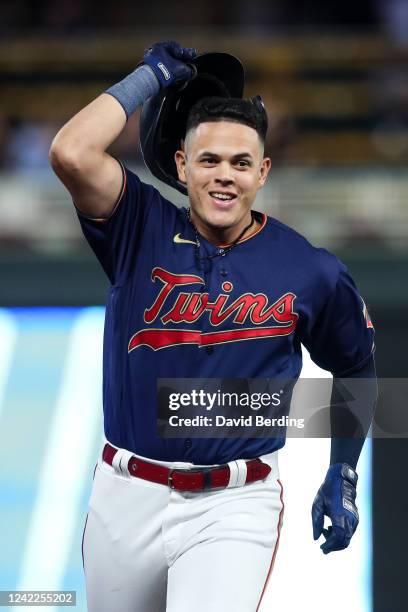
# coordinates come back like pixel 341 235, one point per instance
pixel 217 290
pixel 223 165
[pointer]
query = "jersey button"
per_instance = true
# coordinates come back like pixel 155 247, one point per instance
pixel 188 443
pixel 209 350
pixel 223 272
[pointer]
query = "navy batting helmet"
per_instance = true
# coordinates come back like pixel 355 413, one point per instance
pixel 164 116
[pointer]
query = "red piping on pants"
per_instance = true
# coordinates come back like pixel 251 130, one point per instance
pixel 83 533
pixel 275 550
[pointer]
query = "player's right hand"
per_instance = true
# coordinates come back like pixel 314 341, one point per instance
pixel 168 60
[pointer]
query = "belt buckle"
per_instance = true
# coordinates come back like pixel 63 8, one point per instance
pixel 170 477
pixel 206 476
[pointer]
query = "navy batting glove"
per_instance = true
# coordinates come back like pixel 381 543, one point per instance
pixel 168 60
pixel 335 499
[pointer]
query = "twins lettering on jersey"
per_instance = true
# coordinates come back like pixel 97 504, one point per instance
pixel 250 310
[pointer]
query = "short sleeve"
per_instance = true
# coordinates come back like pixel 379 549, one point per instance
pixel 342 337
pixel 115 239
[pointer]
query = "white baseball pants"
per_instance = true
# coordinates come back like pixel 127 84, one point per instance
pixel 147 548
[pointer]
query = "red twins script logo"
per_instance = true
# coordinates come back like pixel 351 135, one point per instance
pixel 190 307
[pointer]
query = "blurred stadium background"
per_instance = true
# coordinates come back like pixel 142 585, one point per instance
pixel 335 83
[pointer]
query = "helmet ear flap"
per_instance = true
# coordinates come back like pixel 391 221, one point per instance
pixel 164 116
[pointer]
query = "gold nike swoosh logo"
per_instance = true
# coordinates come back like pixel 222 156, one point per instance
pixel 179 240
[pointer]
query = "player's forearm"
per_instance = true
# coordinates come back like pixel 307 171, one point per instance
pixel 94 128
pixel 352 409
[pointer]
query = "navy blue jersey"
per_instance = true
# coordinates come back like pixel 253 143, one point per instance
pixel 173 312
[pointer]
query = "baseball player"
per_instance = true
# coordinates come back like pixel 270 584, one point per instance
pixel 214 290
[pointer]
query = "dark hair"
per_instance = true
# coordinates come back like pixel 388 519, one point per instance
pixel 250 112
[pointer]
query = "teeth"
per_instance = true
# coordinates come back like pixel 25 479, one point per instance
pixel 222 196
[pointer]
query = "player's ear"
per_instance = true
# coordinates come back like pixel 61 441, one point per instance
pixel 180 159
pixel 264 170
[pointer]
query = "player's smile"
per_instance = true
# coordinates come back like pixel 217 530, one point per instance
pixel 223 166
pixel 223 200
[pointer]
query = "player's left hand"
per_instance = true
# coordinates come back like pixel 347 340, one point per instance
pixel 335 499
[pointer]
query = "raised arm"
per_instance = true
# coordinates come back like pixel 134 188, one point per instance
pixel 78 156
pixel 78 152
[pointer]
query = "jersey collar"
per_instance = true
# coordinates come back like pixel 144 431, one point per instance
pixel 262 217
